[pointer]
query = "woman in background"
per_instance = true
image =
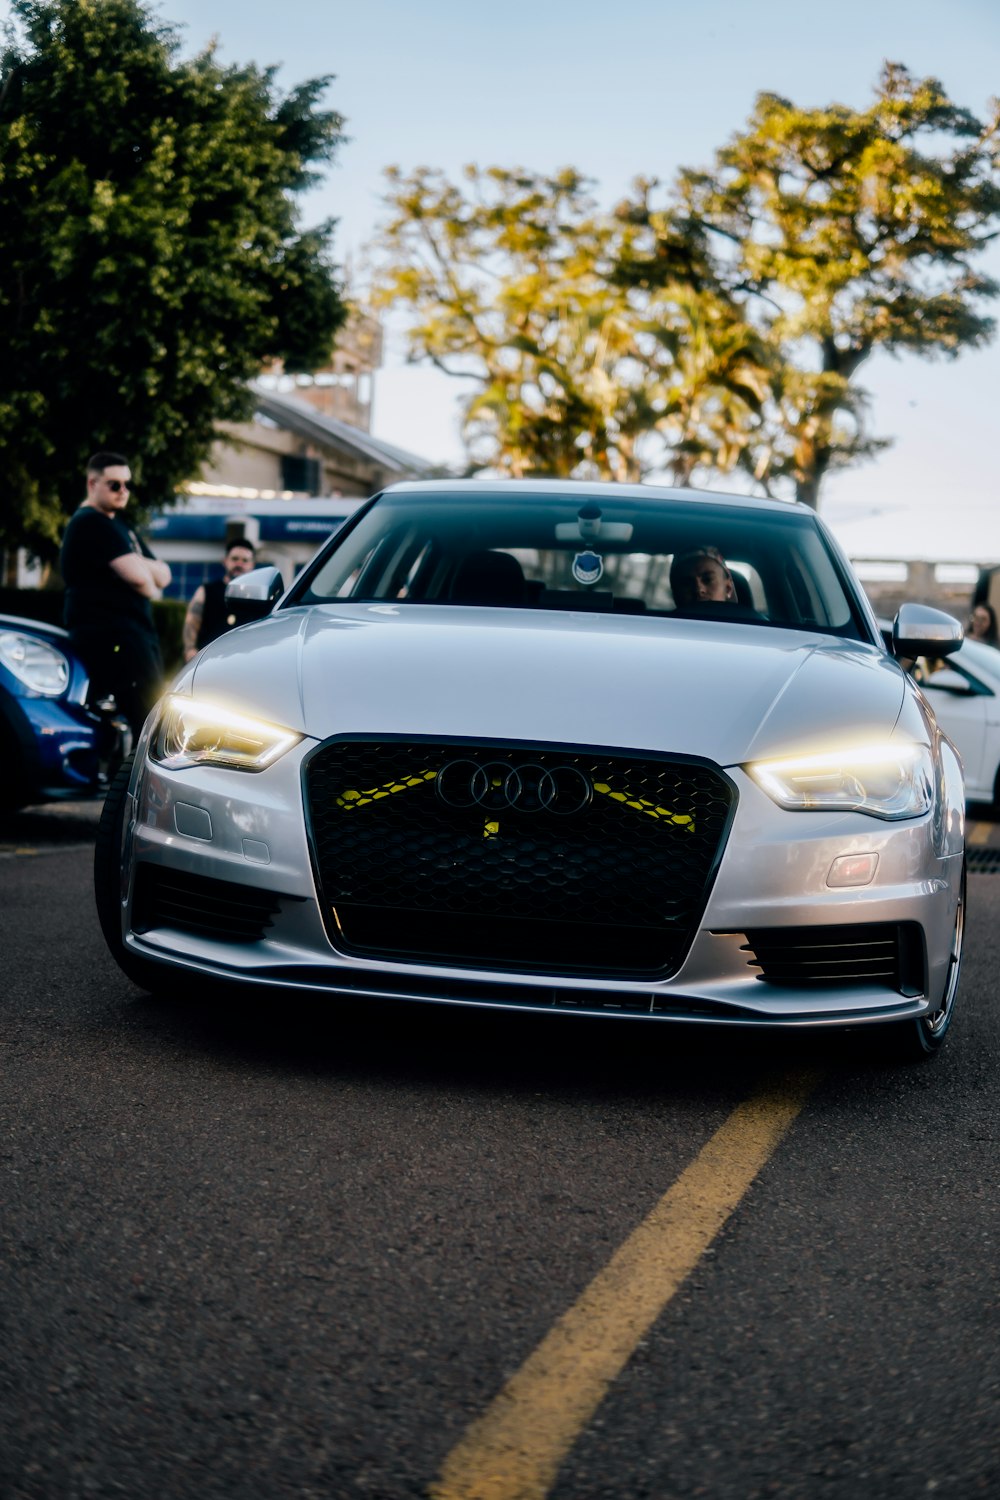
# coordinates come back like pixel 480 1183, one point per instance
pixel 982 625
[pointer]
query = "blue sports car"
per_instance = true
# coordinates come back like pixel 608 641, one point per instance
pixel 53 744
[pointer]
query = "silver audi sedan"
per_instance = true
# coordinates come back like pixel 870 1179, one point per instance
pixel 603 749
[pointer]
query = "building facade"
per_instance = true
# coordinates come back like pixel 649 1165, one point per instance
pixel 284 481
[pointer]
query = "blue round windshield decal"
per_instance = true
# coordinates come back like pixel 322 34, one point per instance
pixel 587 567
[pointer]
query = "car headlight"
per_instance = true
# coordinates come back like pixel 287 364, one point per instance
pixel 885 781
pixel 191 732
pixel 41 667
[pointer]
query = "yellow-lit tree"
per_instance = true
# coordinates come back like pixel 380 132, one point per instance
pixel 837 232
pixel 513 278
pixel 721 324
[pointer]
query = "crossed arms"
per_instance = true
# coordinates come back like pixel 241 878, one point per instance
pixel 147 575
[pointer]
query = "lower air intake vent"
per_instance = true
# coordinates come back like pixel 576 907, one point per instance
pixel 875 953
pixel 195 903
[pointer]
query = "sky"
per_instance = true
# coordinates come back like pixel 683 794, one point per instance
pixel 618 91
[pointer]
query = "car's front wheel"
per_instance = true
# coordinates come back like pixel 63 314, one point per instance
pixel 913 1041
pixel 14 789
pixel 108 855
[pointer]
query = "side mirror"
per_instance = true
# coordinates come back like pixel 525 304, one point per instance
pixel 253 595
pixel 919 630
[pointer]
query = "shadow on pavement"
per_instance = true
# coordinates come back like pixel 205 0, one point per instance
pixel 447 1046
pixel 52 825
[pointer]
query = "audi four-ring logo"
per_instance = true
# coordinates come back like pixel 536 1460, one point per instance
pixel 498 785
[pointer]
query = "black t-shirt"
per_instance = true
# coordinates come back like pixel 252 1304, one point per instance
pixel 95 595
pixel 217 616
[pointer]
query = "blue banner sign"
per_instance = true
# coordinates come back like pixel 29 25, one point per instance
pixel 185 526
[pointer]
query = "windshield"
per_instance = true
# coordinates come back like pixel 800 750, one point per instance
pixel 629 554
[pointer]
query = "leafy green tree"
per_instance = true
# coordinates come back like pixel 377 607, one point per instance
pixel 507 281
pixel 835 233
pixel 724 328
pixel 152 257
pixel 514 279
pixel 709 375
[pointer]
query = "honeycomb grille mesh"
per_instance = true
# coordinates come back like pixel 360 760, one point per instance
pixel 615 886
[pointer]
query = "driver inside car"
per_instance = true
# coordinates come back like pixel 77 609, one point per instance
pixel 701 576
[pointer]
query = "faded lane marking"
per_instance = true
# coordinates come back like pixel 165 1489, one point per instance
pixel 24 851
pixel 10 851
pixel 513 1451
pixel 978 833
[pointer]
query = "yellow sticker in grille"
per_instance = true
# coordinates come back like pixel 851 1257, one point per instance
pixel 351 799
pixel 643 805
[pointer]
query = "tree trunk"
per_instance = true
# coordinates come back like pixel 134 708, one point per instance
pixel 810 476
pixel 807 491
pixel 811 461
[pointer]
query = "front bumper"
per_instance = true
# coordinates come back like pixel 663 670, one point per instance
pixel 249 831
pixel 58 746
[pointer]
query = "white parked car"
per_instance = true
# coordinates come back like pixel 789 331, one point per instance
pixel 594 749
pixel 964 691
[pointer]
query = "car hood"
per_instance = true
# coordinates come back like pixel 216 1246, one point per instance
pixel 727 692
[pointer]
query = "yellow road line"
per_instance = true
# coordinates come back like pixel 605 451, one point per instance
pixel 513 1451
pixel 978 833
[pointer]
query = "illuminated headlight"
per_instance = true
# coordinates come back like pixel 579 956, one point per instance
pixel 885 781
pixel 191 732
pixel 41 667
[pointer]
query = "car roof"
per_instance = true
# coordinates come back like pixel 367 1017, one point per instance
pixel 568 488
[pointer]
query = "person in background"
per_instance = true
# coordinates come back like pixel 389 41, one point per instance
pixel 207 617
pixel 701 576
pixel 982 625
pixel 111 579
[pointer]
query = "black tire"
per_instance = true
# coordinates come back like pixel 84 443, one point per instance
pixel 14 790
pixel 916 1041
pixel 107 883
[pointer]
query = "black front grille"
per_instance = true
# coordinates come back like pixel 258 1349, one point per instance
pixel 199 904
pixel 611 881
pixel 862 953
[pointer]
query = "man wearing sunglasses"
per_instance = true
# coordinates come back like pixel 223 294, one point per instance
pixel 111 578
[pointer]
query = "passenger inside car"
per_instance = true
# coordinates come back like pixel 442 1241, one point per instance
pixel 701 576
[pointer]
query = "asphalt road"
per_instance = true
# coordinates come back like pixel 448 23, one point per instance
pixel 293 1253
